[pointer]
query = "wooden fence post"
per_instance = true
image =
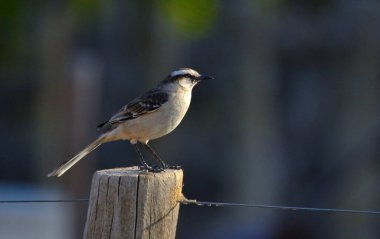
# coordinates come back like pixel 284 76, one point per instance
pixel 132 203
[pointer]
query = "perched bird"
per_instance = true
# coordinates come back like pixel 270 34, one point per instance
pixel 150 116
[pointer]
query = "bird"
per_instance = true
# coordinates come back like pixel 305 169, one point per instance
pixel 152 115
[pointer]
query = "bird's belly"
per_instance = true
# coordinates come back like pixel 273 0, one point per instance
pixel 156 124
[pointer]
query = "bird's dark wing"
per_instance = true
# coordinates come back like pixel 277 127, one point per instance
pixel 145 104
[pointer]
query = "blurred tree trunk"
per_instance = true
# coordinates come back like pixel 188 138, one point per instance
pixel 359 125
pixel 68 101
pixel 54 97
pixel 86 92
pixel 258 175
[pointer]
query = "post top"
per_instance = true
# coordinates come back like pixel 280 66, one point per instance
pixel 134 170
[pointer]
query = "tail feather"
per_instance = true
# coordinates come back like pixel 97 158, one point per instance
pixel 68 164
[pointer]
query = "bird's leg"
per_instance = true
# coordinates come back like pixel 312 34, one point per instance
pixel 155 155
pixel 141 158
pixel 145 165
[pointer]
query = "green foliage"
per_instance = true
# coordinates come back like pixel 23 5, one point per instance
pixel 10 15
pixel 12 28
pixel 85 8
pixel 268 7
pixel 9 12
pixel 191 18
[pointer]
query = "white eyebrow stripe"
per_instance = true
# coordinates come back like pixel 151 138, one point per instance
pixel 184 72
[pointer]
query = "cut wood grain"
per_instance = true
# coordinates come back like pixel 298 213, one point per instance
pixel 133 203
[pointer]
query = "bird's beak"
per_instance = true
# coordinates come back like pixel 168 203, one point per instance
pixel 202 78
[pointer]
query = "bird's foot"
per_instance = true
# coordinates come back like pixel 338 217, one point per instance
pixel 153 169
pixel 156 169
pixel 166 166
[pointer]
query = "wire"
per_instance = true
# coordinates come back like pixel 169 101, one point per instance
pixel 217 204
pixel 288 208
pixel 45 201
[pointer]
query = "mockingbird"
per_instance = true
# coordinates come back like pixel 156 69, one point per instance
pixel 150 116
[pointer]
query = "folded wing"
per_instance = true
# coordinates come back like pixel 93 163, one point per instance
pixel 145 104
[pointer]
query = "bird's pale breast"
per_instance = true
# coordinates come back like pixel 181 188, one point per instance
pixel 158 123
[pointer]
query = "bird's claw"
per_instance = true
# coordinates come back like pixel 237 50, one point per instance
pixel 172 166
pixel 153 169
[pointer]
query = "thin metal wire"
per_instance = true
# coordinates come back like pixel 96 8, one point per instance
pixel 46 201
pixel 218 204
pixel 288 208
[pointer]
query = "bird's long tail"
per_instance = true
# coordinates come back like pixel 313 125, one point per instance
pixel 68 164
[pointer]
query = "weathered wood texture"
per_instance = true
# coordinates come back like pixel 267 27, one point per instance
pixel 131 203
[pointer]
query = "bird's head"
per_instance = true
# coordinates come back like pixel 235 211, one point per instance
pixel 186 78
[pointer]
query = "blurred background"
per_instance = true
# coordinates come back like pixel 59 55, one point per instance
pixel 292 117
